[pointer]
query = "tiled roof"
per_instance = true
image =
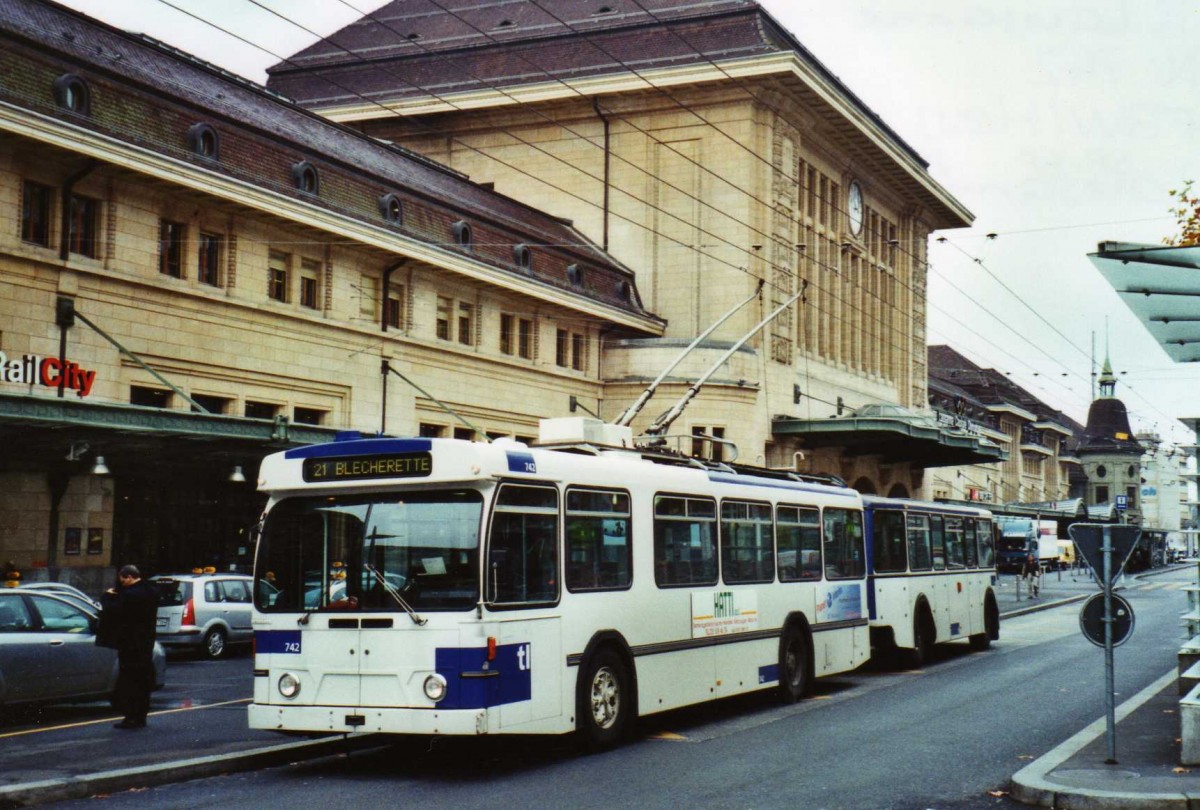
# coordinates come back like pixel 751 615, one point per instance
pixel 148 94
pixel 418 48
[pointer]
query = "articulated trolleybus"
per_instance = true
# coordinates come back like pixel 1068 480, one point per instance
pixel 439 586
pixel 932 576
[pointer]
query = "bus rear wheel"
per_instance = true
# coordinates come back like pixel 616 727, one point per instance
pixel 923 640
pixel 991 626
pixel 793 665
pixel 603 701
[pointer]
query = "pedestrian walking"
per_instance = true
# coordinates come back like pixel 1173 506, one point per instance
pixel 1030 572
pixel 127 619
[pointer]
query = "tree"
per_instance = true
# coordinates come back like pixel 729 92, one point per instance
pixel 1187 216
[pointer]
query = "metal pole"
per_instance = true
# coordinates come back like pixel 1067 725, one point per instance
pixel 1109 687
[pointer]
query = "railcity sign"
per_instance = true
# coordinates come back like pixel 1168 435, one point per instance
pixel 50 372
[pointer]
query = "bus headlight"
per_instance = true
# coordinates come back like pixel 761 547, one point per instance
pixel 289 685
pixel 435 687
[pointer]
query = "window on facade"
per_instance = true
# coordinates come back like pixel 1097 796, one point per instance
pixel 747 545
pixel 888 545
pixel 1101 494
pixel 685 543
pixel 277 276
pixel 170 248
pixel 445 309
pixel 562 348
pixel 310 285
pixel 428 431
pixel 466 323
pixel 599 548
pixel 516 336
pixel 203 140
pixel 36 200
pixel 391 209
pixel 570 350
pixel 149 397
pixel 210 403
pixel 522 566
pixel 844 553
pixel 308 416
pixel 1131 497
pixel 304 174
pixel 72 93
pixel 393 307
pixel 525 338
pixel 261 410
pixel 578 352
pixel 84 226
pixel 464 434
pixel 707 442
pixel 507 338
pixel 798 537
pixel 208 259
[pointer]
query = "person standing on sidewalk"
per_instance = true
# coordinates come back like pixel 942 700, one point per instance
pixel 128 614
pixel 1030 572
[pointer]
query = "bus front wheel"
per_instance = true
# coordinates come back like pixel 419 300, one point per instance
pixel 793 665
pixel 604 700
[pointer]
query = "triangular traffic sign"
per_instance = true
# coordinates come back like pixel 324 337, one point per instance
pixel 1089 542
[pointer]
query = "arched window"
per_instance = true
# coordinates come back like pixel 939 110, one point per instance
pixel 72 93
pixel 204 141
pixel 864 485
pixel 391 209
pixel 462 233
pixel 522 257
pixel 625 290
pixel 305 175
pixel 575 275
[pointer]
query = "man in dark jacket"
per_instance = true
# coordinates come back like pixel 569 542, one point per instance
pixel 129 614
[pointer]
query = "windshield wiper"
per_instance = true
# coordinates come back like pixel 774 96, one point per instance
pixel 395 594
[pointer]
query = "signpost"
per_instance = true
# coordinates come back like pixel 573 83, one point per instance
pixel 1106 548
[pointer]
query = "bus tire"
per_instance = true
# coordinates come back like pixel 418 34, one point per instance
pixel 795 655
pixel 603 701
pixel 991 625
pixel 924 637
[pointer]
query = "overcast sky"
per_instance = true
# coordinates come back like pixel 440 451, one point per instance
pixel 1058 123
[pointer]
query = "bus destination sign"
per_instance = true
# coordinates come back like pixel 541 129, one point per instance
pixel 384 465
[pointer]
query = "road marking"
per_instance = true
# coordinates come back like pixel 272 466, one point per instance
pixel 110 719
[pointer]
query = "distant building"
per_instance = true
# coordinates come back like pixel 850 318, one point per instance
pixel 1110 454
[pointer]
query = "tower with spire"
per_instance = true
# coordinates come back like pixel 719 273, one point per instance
pixel 1110 454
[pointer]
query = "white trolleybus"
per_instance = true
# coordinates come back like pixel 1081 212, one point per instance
pixel 932 577
pixel 439 586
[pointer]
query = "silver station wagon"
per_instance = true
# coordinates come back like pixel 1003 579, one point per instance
pixel 48 650
pixel 204 612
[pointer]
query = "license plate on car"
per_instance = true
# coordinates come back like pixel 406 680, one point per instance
pixel 162 621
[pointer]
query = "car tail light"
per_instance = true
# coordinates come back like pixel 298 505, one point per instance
pixel 189 613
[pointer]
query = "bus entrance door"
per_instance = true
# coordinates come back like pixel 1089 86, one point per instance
pixel 531 670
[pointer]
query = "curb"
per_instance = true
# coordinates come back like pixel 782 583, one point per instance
pixel 79 787
pixel 1034 785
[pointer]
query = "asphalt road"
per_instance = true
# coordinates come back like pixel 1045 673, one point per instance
pixel 939 738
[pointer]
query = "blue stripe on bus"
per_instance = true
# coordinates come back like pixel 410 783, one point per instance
pixel 748 480
pixel 470 682
pixel 362 447
pixel 768 674
pixel 277 641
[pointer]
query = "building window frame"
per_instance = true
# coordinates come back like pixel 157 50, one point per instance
pixel 171 238
pixel 278 266
pixel 208 258
pixel 37 206
pixel 310 283
pixel 83 226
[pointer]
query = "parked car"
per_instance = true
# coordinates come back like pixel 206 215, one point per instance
pixel 204 612
pixel 48 650
pixel 60 588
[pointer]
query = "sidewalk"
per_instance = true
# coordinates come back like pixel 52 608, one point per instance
pixel 1147 775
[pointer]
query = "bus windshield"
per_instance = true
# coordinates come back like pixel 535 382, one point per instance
pixel 373 552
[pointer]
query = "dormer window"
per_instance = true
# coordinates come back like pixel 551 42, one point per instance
pixel 506 24
pixel 522 257
pixel 204 142
pixel 413 37
pixel 625 290
pixel 604 10
pixel 575 275
pixel 72 93
pixel 462 233
pixel 305 176
pixel 391 209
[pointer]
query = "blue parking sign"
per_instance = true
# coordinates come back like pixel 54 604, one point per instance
pixel 1122 502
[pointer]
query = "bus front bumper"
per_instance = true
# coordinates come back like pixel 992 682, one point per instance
pixel 351 720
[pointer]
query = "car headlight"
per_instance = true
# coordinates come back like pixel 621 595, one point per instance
pixel 289 685
pixel 435 687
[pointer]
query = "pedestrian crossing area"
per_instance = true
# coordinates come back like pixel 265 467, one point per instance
pixel 1158 586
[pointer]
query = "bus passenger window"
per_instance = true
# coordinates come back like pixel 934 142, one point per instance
pixel 844 556
pixel 746 547
pixel 987 553
pixel 685 544
pixel 954 542
pixel 798 535
pixel 920 556
pixel 599 549
pixel 887 541
pixel 523 556
pixel 937 538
